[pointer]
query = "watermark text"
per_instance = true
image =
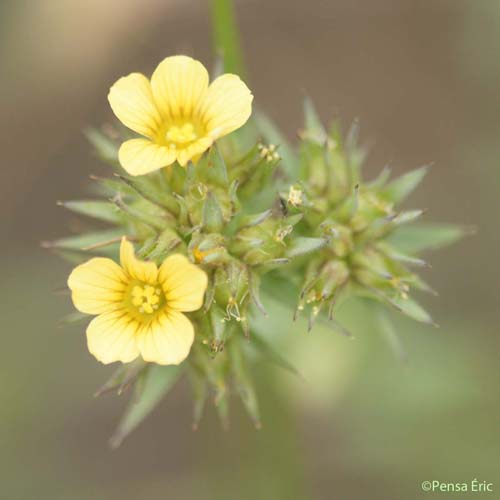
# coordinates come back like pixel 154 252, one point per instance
pixel 472 486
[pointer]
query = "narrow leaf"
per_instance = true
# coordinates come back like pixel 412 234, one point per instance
pixel 165 243
pixel 220 329
pixel 157 382
pixel 217 170
pixel 406 306
pixel 401 187
pixel 314 128
pixel 96 209
pixel 418 237
pixel 105 147
pixel 84 241
pixel 381 179
pixel 243 381
pixel 303 245
pixel 401 257
pixel 210 293
pixel 155 222
pixel 212 214
pixel 199 387
pixel 293 220
pixel 122 377
pixel 145 190
pixel 406 217
pixel 414 310
pixel 254 289
pixel 254 219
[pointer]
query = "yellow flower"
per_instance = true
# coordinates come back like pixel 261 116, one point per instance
pixel 139 306
pixel 178 112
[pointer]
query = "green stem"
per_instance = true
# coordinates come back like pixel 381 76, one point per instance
pixel 226 37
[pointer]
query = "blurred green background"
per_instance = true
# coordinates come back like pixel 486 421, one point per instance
pixel 423 79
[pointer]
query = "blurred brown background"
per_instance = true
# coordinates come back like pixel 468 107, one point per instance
pixel 423 79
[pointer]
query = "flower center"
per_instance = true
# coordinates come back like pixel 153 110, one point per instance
pixel 146 298
pixel 179 135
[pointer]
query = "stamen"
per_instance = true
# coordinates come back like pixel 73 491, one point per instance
pixel 295 197
pixel 268 153
pixel 137 301
pixel 146 298
pixel 180 134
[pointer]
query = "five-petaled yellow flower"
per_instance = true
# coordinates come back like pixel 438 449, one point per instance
pixel 139 306
pixel 178 112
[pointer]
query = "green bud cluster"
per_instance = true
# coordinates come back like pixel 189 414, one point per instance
pixel 359 221
pixel 205 211
pixel 241 212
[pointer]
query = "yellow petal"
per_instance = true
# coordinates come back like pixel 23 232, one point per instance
pixel 132 102
pixel 226 106
pixel 147 272
pixel 97 286
pixel 141 156
pixel 184 283
pixel 178 85
pixel 112 337
pixel 167 339
pixel 193 151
